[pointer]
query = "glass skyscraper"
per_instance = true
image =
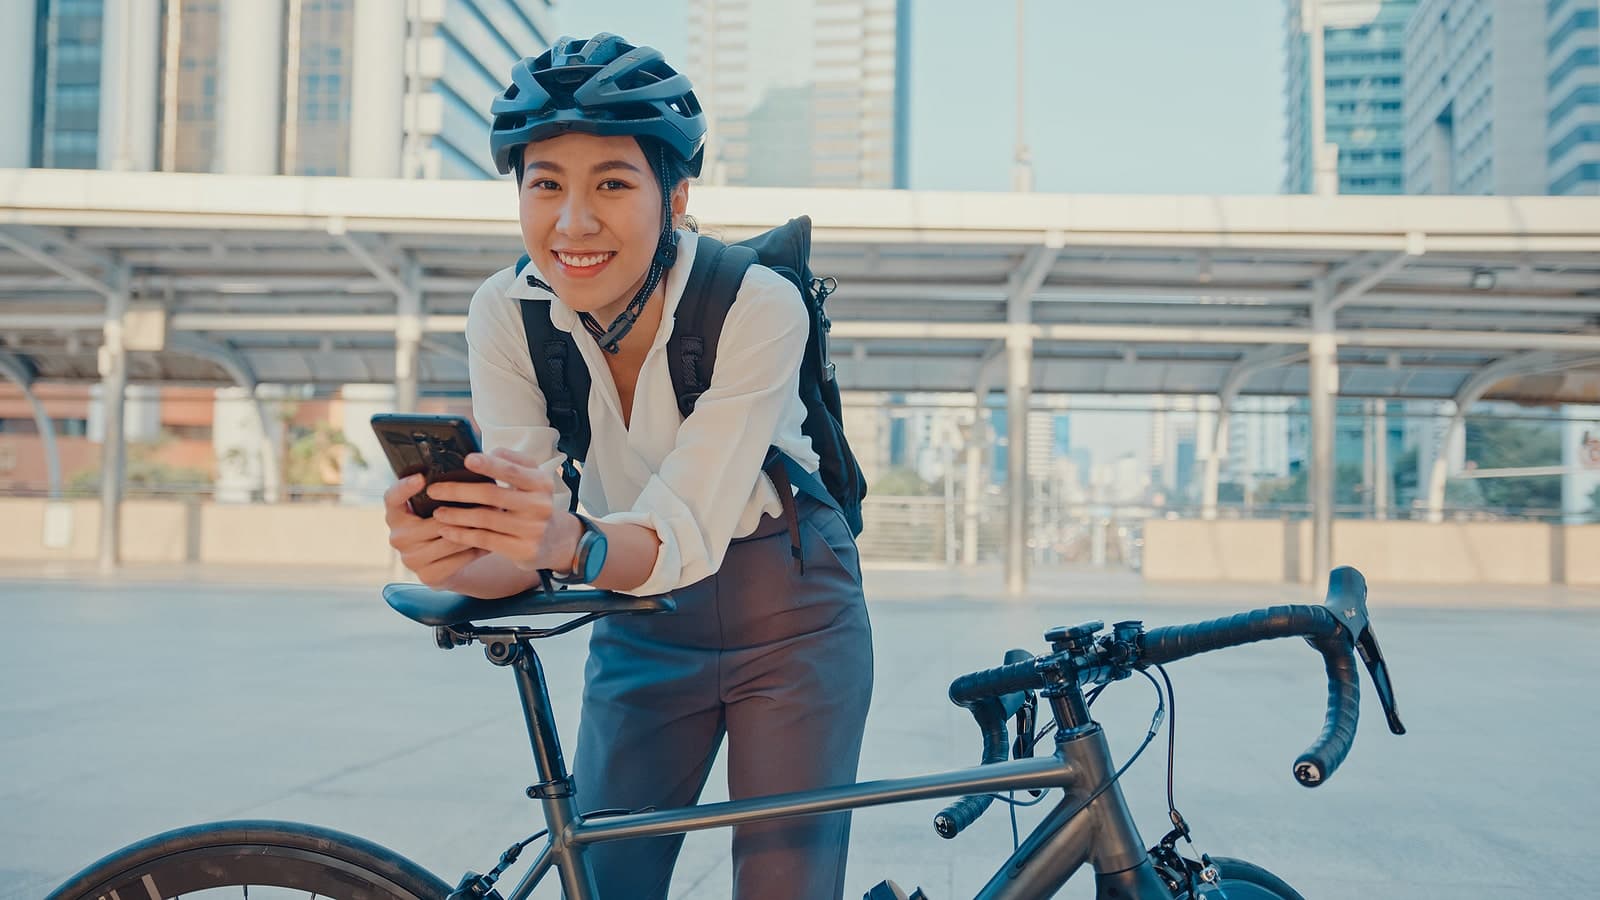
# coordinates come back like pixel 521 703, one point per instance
pixel 1363 71
pixel 1572 117
pixel 66 82
pixel 804 94
pixel 298 87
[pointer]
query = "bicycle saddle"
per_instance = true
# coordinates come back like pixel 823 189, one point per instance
pixel 430 607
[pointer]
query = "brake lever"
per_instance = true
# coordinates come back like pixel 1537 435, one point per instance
pixel 1367 646
pixel 1027 728
pixel 1347 600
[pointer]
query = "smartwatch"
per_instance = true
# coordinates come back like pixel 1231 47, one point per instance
pixel 590 557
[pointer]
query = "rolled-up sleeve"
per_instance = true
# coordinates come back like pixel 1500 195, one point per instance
pixel 702 489
pixel 507 404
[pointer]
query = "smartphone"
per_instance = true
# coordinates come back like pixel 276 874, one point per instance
pixel 436 446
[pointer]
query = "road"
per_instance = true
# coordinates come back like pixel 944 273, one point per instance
pixel 135 705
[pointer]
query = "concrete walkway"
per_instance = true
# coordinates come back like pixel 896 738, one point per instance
pixel 138 704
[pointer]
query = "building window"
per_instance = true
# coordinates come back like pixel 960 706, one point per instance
pixel 320 144
pixel 67 85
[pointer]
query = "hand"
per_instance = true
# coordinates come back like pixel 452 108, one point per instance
pixel 423 549
pixel 516 518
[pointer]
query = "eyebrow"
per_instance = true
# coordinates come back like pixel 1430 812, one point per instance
pixel 607 166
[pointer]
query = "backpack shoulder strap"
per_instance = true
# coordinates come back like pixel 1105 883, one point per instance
pixel 708 294
pixel 564 381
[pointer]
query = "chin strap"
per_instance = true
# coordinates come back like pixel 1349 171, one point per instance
pixel 610 339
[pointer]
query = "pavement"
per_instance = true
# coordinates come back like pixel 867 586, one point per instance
pixel 172 695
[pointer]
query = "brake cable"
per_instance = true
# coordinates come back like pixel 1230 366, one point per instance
pixel 1180 825
pixel 1155 728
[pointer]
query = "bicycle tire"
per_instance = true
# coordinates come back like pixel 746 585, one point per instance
pixel 332 864
pixel 1247 881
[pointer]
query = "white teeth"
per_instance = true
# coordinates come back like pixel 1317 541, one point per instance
pixel 583 262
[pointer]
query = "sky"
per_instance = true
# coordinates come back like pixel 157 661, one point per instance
pixel 1126 97
pixel 1122 97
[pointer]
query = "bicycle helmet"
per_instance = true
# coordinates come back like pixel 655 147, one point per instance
pixel 601 85
pixel 604 86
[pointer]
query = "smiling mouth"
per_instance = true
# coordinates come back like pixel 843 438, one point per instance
pixel 583 260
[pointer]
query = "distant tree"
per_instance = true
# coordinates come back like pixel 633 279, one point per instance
pixel 314 454
pixel 901 481
pixel 144 470
pixel 1346 492
pixel 1499 444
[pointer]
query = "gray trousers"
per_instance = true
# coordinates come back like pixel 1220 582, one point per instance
pixel 780 662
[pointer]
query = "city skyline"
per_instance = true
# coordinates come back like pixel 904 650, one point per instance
pixel 1187 119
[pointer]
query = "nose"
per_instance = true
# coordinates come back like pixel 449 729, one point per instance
pixel 577 218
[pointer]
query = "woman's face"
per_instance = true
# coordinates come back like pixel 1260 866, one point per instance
pixel 591 216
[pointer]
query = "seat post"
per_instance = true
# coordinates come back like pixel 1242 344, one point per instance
pixel 536 711
pixel 554 791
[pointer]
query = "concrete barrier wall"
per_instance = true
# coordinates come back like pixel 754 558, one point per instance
pixel 172 531
pixel 22 525
pixel 1195 550
pixel 1446 553
pixel 1261 551
pixel 1514 553
pixel 1582 554
pixel 294 533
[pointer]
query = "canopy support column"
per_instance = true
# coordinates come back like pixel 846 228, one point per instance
pixel 972 501
pixel 408 341
pixel 113 447
pixel 21 371
pixel 1024 283
pixel 1324 399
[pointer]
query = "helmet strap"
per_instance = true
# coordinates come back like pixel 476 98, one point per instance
pixel 610 339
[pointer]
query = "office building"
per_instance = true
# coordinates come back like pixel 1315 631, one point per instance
pixel 1258 441
pixel 1572 97
pixel 1474 97
pixel 1362 64
pixel 804 94
pixel 296 87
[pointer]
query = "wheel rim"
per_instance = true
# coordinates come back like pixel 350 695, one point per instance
pixel 285 871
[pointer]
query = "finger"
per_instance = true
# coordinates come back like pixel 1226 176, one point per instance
pixel 527 478
pixel 446 566
pixel 430 552
pixel 520 525
pixel 410 537
pixel 491 495
pixel 396 497
pixel 414 533
pixel 515 549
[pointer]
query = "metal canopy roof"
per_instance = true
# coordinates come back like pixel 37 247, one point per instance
pixel 284 279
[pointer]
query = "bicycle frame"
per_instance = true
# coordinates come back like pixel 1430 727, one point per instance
pixel 1102 834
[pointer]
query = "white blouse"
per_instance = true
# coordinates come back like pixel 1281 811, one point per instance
pixel 697 482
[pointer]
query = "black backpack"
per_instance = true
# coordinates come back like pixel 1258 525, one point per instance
pixel 712 287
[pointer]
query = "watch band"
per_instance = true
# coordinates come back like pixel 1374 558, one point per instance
pixel 580 553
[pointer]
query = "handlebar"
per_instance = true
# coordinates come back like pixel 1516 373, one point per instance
pixel 1320 629
pixel 1337 629
pixel 991 708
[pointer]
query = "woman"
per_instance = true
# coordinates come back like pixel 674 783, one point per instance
pixel 603 138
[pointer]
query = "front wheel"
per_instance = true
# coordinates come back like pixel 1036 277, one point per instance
pixel 1239 880
pixel 322 862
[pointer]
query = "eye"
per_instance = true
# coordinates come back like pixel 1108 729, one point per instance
pixel 543 184
pixel 613 184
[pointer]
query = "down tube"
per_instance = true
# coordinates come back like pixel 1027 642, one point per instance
pixel 1052 853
